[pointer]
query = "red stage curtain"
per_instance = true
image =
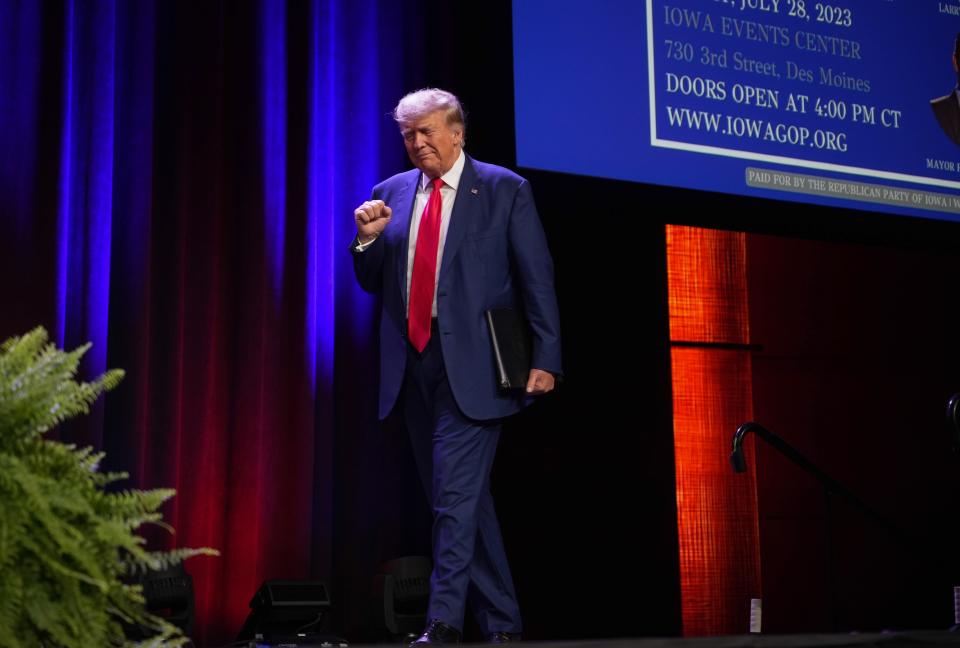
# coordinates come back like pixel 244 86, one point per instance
pixel 177 182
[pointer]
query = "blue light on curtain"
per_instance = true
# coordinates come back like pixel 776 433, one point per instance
pixel 346 85
pixel 86 181
pixel 320 185
pixel 347 80
pixel 66 179
pixel 273 64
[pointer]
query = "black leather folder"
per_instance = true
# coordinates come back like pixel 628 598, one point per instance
pixel 512 347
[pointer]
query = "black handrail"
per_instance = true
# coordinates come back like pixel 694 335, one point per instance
pixel 831 485
pixel 953 420
pixel 934 549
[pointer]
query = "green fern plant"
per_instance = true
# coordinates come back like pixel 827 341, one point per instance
pixel 68 546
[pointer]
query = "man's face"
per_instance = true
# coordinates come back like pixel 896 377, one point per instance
pixel 432 144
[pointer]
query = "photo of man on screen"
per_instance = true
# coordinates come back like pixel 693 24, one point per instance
pixel 947 108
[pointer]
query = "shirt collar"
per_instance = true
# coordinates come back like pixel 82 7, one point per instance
pixel 451 178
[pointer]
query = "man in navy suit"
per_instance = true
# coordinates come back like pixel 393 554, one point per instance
pixel 441 244
pixel 947 108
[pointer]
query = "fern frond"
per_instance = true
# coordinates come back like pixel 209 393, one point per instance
pixel 65 542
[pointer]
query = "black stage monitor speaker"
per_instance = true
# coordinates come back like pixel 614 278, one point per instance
pixel 400 593
pixel 169 594
pixel 287 608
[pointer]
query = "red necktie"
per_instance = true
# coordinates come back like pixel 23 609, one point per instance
pixel 424 278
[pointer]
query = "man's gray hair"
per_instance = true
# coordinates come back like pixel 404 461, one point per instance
pixel 417 105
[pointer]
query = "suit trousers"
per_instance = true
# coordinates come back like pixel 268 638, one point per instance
pixel 454 455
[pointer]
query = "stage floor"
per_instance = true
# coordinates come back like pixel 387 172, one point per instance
pixel 911 639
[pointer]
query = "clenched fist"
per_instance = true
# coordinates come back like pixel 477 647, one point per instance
pixel 371 218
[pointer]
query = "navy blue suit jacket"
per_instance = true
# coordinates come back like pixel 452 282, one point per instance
pixel 495 255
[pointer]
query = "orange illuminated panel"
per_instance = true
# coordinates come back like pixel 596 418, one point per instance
pixel 712 395
pixel 707 281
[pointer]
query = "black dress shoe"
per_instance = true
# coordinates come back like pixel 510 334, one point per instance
pixel 502 637
pixel 437 632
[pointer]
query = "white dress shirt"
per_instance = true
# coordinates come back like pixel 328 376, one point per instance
pixel 448 193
